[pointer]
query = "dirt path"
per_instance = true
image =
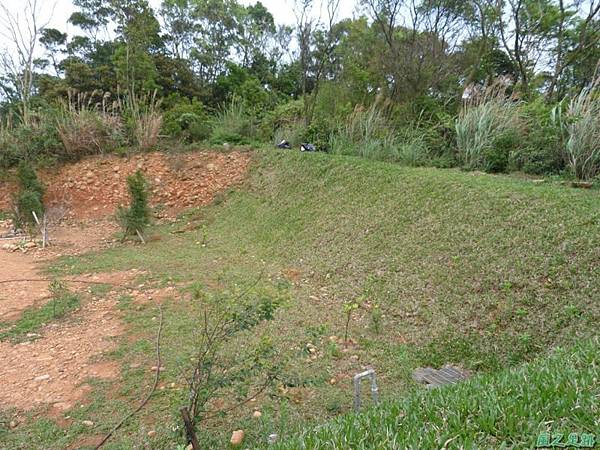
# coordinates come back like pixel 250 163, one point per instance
pixel 67 239
pixel 53 366
pixel 52 370
pixel 17 297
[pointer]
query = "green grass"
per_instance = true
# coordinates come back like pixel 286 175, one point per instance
pixel 446 266
pixel 35 318
pixel 557 394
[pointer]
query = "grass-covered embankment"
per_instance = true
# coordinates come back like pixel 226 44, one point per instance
pixel 446 267
pixel 557 395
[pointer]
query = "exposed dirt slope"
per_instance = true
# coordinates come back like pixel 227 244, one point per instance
pixel 94 187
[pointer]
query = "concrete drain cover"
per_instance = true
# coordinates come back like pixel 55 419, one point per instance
pixel 439 377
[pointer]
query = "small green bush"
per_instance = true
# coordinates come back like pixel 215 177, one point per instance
pixel 28 179
pixel 29 199
pixel 187 120
pixel 285 121
pixel 498 156
pixel 233 124
pixel 540 152
pixel 38 142
pixel 136 218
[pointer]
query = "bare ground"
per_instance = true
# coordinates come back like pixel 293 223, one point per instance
pixel 53 366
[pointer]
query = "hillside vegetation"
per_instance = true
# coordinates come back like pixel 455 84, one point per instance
pixel 445 266
pixel 557 395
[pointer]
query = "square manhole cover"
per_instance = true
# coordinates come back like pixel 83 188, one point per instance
pixel 439 377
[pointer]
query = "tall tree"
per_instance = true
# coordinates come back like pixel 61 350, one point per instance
pixel 22 29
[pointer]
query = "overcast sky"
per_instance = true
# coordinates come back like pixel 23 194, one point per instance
pixel 281 9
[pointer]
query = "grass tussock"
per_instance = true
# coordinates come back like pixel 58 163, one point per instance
pixel 145 119
pixel 87 127
pixel 370 133
pixel 487 116
pixel 233 124
pixel 581 125
pixel 366 133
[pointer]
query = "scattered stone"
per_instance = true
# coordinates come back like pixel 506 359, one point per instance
pixel 582 184
pixel 10 247
pixel 13 424
pixel 42 378
pixel 155 368
pixel 237 437
pixel 273 438
pixel 256 414
pixel 151 433
pixel 333 381
pixel 88 423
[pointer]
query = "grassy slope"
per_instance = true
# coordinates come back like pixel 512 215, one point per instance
pixel 483 271
pixel 558 394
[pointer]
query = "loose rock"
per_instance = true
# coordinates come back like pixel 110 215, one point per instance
pixel 237 437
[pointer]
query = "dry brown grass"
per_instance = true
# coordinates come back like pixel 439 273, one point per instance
pixel 147 119
pixel 86 127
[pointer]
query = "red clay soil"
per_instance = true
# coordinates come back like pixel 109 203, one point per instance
pixel 66 239
pixel 94 187
pixel 52 368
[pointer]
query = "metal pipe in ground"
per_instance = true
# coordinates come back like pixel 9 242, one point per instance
pixel 370 373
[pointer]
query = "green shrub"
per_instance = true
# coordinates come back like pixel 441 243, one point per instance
pixel 136 218
pixel 318 132
pixel 295 133
pixel 233 124
pixel 29 199
pixel 285 121
pixel 499 155
pixel 187 120
pixel 36 142
pixel 486 124
pixel 28 179
pixel 540 152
